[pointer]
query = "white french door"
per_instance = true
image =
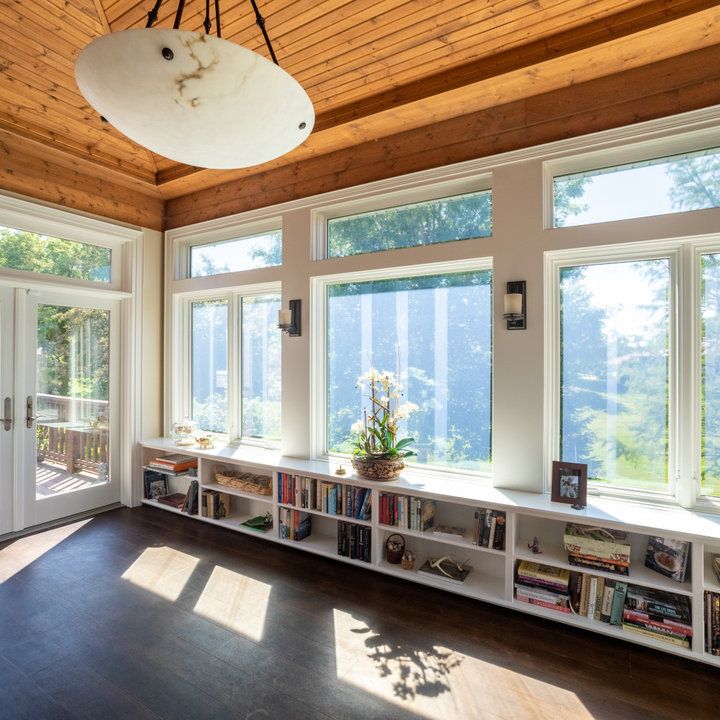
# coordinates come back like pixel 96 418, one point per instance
pixel 61 378
pixel 7 452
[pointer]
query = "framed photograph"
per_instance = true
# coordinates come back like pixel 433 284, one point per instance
pixel 569 483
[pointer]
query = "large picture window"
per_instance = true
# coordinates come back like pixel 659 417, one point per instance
pixel 614 371
pixel 435 333
pixel 710 374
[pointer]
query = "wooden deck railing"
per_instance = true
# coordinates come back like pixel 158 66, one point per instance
pixel 73 432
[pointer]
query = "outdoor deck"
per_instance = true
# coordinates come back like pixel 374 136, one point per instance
pixel 53 479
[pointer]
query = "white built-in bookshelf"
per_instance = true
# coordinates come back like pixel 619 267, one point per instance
pixel 528 516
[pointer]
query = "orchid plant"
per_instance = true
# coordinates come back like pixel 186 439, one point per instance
pixel 375 436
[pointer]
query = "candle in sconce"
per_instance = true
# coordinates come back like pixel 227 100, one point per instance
pixel 513 303
pixel 284 317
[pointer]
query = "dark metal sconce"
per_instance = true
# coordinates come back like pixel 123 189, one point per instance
pixel 289 320
pixel 514 306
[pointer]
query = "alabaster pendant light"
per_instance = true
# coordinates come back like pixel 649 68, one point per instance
pixel 193 97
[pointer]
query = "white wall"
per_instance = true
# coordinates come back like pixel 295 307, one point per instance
pixel 520 239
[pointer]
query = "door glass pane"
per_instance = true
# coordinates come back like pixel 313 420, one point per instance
pixel 260 367
pixel 209 320
pixel 614 335
pixel 72 400
pixel 710 308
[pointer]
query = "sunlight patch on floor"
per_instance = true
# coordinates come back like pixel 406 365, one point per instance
pixel 162 571
pixel 438 682
pixel 235 601
pixel 24 551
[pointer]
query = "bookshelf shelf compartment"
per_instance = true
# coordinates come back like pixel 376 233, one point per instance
pixel 556 555
pixel 527 515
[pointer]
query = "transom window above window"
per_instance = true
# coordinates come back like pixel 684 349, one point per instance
pixel 423 223
pixel 244 253
pixel 32 252
pixel 435 333
pixel 690 181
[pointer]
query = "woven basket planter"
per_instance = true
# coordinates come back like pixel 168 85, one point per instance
pixel 374 469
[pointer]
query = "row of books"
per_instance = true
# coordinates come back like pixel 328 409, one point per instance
pixel 176 463
pixel 407 512
pixel 294 524
pixel 712 623
pixel 653 613
pixel 489 528
pixel 354 541
pixel 215 505
pixel 327 497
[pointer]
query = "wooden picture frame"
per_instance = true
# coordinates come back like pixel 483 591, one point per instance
pixel 569 483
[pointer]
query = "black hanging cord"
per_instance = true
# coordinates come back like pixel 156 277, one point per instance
pixel 217 17
pixel 260 20
pixel 153 14
pixel 206 23
pixel 178 14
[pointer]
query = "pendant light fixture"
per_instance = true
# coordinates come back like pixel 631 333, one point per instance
pixel 193 97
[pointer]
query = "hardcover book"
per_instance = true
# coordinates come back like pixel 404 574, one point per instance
pixel 668 557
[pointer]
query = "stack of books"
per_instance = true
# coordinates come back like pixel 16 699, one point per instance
pixel 543 585
pixel 354 541
pixel 712 623
pixel 659 615
pixel 328 497
pixel 489 528
pixel 407 512
pixel 597 548
pixel 294 525
pixel 185 502
pixel 174 464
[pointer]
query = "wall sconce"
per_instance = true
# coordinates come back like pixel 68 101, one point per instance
pixel 514 305
pixel 289 320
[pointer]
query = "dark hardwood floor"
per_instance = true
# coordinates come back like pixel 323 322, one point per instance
pixel 142 614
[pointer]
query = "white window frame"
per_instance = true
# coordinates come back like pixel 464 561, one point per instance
pixel 684 412
pixel 182 351
pixel 319 349
pixel 398 198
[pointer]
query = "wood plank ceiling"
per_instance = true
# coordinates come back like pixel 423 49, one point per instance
pixel 397 86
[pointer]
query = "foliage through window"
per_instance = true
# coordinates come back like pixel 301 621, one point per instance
pixel 710 399
pixel 209 324
pixel 260 397
pixel 245 253
pixel 435 333
pixel 22 250
pixel 641 189
pixel 424 223
pixel 614 385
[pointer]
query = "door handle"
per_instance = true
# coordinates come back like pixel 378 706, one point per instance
pixel 29 418
pixel 7 420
